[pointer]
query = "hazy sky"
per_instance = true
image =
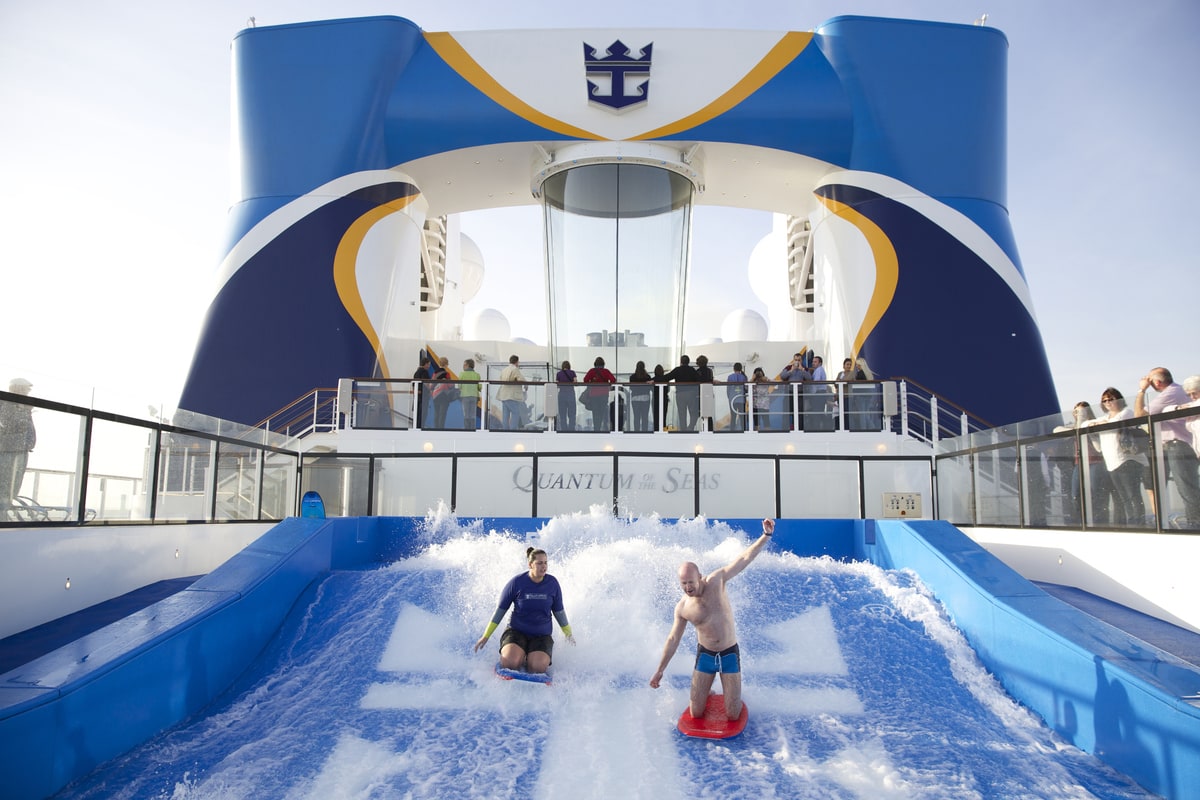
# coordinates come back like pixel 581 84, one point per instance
pixel 115 163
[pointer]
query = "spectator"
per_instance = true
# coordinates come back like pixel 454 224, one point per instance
pixel 17 438
pixel 1178 453
pixel 1191 386
pixel 420 375
pixel 687 393
pixel 818 369
pixel 640 397
pixel 795 372
pixel 762 391
pixel 443 392
pixel 469 394
pixel 511 395
pixel 735 391
pixel 597 395
pixel 1126 468
pixel 705 374
pixel 566 397
pixel 661 401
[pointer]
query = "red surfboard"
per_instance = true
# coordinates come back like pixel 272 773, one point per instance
pixel 714 724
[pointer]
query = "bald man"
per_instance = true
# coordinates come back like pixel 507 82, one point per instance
pixel 705 604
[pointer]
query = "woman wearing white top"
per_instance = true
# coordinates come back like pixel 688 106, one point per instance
pixel 1127 470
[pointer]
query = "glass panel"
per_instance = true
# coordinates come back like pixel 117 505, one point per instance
pixel 119 459
pixel 616 245
pixel 770 406
pixel 183 477
pixel 729 402
pixel 237 482
pixel 864 406
pixel 279 486
pixel 341 482
pixel 818 406
pixel 652 485
pixel 494 487
pixel 528 413
pixel 1046 490
pixel 385 405
pixel 737 487
pixel 818 489
pixel 955 498
pixel 412 486
pixel 1098 498
pixel 570 484
pixel 1129 504
pixel 598 410
pixel 996 487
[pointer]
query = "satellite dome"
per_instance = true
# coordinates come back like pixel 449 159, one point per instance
pixel 744 325
pixel 488 325
pixel 472 268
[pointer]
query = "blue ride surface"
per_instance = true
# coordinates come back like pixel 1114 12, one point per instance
pixel 317 663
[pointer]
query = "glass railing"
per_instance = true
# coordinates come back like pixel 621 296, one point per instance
pixel 627 407
pixel 84 466
pixel 1136 474
pixel 93 467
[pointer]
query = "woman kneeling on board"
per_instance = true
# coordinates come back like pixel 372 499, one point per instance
pixel 526 643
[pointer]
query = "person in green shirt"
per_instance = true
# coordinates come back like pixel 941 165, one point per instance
pixel 469 393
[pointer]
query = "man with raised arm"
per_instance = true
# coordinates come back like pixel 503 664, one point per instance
pixel 705 604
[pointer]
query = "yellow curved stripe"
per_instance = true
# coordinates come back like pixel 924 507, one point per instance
pixel 887 267
pixel 346 279
pixel 782 54
pixel 461 62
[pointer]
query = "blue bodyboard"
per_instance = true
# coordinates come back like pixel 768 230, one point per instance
pixel 521 675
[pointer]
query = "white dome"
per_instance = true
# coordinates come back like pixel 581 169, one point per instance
pixel 488 325
pixel 472 268
pixel 768 270
pixel 744 325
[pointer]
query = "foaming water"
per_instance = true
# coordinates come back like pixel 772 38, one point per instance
pixel 858 687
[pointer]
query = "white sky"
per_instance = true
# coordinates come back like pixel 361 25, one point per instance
pixel 115 163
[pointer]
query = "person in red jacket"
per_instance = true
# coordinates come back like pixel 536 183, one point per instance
pixel 596 395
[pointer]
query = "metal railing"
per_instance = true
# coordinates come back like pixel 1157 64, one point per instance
pixel 626 407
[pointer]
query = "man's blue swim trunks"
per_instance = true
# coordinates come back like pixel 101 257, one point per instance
pixel 727 661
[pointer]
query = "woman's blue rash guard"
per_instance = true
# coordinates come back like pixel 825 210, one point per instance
pixel 533 603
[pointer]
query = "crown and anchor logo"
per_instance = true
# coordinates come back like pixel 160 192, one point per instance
pixel 621 69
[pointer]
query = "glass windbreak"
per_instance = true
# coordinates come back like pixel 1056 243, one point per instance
pixel 342 482
pixel 237 482
pixel 278 485
pixel 997 487
pixel 516 405
pixel 119 457
pixel 617 239
pixel 184 469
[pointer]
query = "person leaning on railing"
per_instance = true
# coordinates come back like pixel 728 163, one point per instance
pixel 468 394
pixel 1178 451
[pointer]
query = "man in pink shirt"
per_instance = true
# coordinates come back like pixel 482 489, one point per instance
pixel 1176 440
